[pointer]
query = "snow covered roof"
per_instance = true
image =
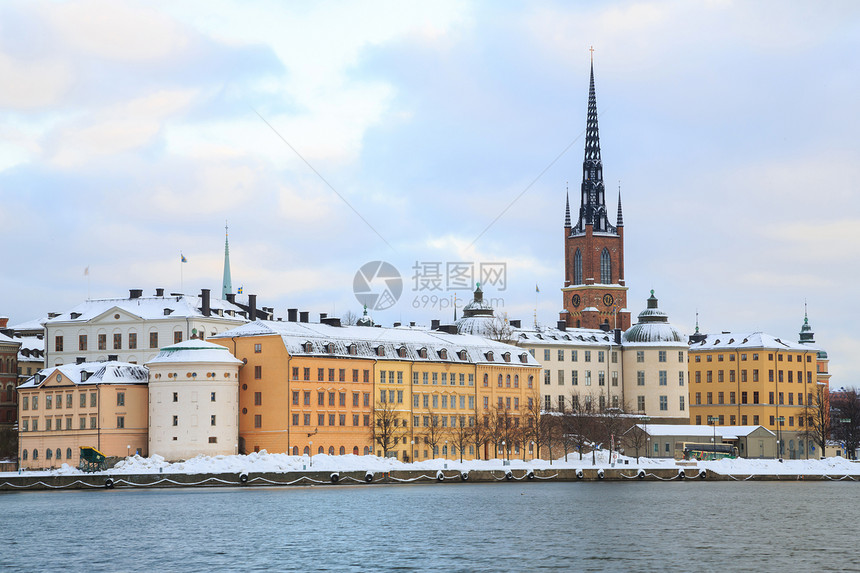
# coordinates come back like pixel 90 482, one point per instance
pixel 7 340
pixel 653 328
pixel 195 351
pixel 735 432
pixel 92 373
pixel 35 324
pixel 679 430
pixel 555 337
pixel 308 338
pixel 152 308
pixel 752 340
pixel 32 348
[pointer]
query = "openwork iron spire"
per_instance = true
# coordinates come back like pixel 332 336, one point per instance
pixel 593 207
pixel 567 209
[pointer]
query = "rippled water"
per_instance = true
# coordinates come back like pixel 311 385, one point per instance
pixel 632 526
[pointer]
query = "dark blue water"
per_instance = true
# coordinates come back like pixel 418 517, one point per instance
pixel 640 526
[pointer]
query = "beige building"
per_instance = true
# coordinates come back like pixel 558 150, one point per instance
pixel 655 367
pixel 193 401
pixel 101 405
pixel 134 329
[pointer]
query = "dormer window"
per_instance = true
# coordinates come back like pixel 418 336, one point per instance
pixel 443 354
pixel 422 353
pixel 353 349
pixel 462 355
pixel 380 351
pixel 308 347
pixel 506 356
pixel 329 347
pixel 75 315
pixel 401 352
pixel 167 311
pixel 524 357
pixel 489 355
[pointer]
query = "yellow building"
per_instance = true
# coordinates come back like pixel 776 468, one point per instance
pixel 101 405
pixel 402 392
pixel 756 379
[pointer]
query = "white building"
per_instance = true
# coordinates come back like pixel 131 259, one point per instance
pixel 193 401
pixel 133 329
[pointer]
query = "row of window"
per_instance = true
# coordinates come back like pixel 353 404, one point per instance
pixel 574 378
pixel 780 376
pixel 605 260
pixel 55 401
pixel 789 420
pixel 102 341
pixel 709 396
pixel 779 357
pixel 49 454
pixel 334 398
pixel 51 424
pixel 435 421
pixel 436 399
pixel 587 403
pixel 574 355
pixel 664 403
pixel 662 378
pixel 212 420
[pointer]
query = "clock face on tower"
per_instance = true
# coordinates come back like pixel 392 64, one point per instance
pixel 576 300
pixel 608 300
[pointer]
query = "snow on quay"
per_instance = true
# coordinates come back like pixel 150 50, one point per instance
pixel 260 462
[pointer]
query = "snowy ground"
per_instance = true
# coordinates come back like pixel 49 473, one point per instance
pixel 266 462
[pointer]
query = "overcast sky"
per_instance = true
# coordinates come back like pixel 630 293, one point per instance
pixel 132 130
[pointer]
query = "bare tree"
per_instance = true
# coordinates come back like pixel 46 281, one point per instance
pixel 636 437
pixel 550 427
pixel 845 409
pixel 499 328
pixel 349 318
pixel 433 433
pixel 461 434
pixel 480 432
pixel 577 423
pixel 387 426
pixel 531 422
pixel 818 424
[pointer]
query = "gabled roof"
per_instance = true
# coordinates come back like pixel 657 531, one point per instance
pixel 149 308
pixel 569 337
pixel 93 372
pixel 751 340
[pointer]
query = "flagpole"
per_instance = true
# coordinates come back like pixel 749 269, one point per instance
pixel 181 277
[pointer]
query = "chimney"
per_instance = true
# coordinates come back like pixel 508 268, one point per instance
pixel 4 320
pixel 515 323
pixel 617 332
pixel 412 323
pixel 448 328
pixel 292 314
pixel 396 324
pixel 434 324
pixel 231 298
pixel 80 360
pixel 252 307
pixel 204 294
pixel 53 315
pixel 323 315
pixel 159 292
pixel 605 326
pixel 113 357
pixel 562 325
pixel 135 293
pixel 303 316
pixel 331 321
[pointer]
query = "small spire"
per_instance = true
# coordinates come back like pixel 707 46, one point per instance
pixel 566 207
pixel 697 322
pixel 227 285
pixel 619 222
pixel 806 334
pixel 455 307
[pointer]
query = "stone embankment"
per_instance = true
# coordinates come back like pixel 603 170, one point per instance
pixel 108 480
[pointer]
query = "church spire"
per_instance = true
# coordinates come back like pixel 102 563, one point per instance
pixel 566 208
pixel 806 334
pixel 227 286
pixel 593 206
pixel 619 222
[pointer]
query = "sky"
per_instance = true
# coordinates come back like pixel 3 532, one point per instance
pixel 435 135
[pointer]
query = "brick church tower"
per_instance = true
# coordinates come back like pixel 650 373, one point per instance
pixel 594 293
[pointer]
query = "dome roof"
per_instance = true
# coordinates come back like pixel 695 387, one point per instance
pixel 195 351
pixel 653 327
pixel 478 307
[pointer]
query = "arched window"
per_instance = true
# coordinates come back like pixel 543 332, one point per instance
pixel 48 454
pixel 307 451
pixel 486 379
pixel 321 450
pixel 295 450
pixel 24 455
pixel 605 267
pixel 516 380
pixel 577 267
pixel 531 381
pixel 366 450
pixel 355 451
pixel 331 450
pixel 507 381
pixel 59 454
pixel 500 380
pixel 342 450
pixel 68 453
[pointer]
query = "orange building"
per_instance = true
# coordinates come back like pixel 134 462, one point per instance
pixel 102 405
pixel 400 392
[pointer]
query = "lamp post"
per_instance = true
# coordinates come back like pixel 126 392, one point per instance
pixel 713 420
pixel 779 421
pixel 128 451
pixel 311 452
pixel 446 450
pixel 503 450
pixel 414 451
pixel 845 443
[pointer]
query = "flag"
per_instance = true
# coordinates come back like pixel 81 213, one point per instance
pixel 181 256
pixel 87 272
pixel 240 290
pixel 536 288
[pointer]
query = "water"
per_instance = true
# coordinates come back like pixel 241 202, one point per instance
pixel 632 526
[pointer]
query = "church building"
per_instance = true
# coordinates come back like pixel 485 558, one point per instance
pixel 594 293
